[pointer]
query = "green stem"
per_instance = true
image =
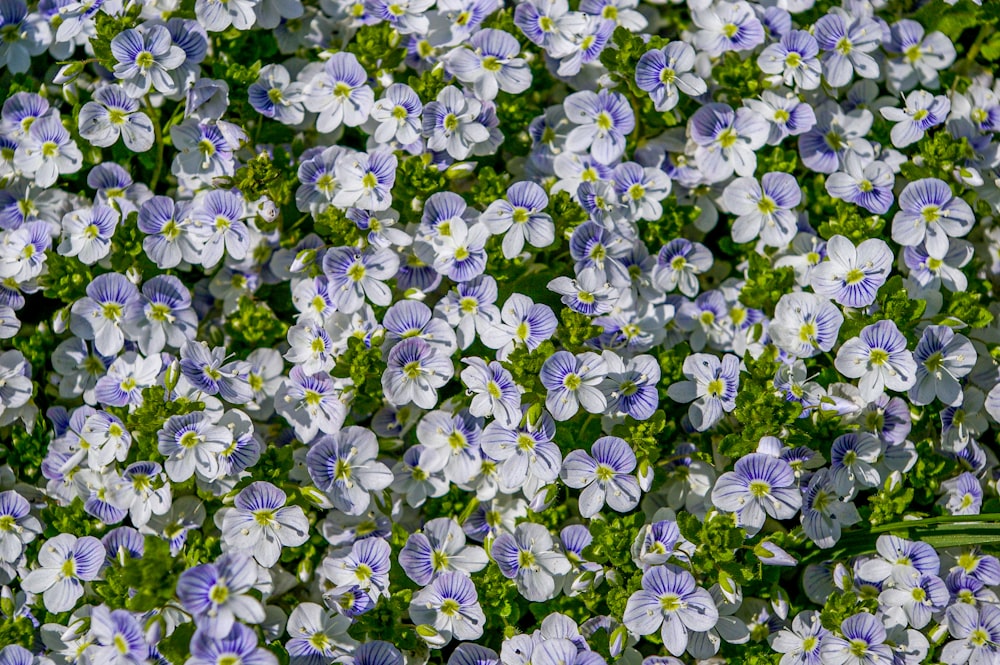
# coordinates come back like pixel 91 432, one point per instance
pixel 158 141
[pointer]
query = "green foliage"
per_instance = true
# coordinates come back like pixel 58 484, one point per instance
pixel 670 225
pixel 575 330
pixel 524 366
pixel 66 279
pixel 429 84
pixel 27 449
pixel 107 27
pixel 502 603
pixel 147 419
pixel 888 505
pixel 760 409
pixel 738 78
pixel 69 519
pixel 390 621
pixel 145 584
pixel 37 345
pixel 487 187
pixel 646 437
pixel 847 219
pixel 333 226
pixel 612 540
pixel 892 303
pixel 720 555
pixel 363 365
pixel 565 213
pixel 377 47
pixel 622 54
pixel 262 177
pixel 17 630
pixel 937 156
pixel 840 606
pixel 252 326
pixel 176 647
pixel 416 180
pixel 127 251
pixel 764 284
pixel 967 307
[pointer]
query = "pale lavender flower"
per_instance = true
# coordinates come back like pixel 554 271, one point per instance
pixel 18 526
pixel 520 218
pixel 440 548
pixel 145 55
pixel 879 358
pixel 113 114
pixel 847 42
pixel 793 60
pixel 963 495
pixel 679 263
pixel 930 212
pixel 66 562
pixel 449 604
pixel 921 112
pixel 670 602
pixel 111 299
pixel 366 180
pixel 727 140
pixel 528 556
pixel 602 120
pixel 490 65
pixel 727 26
pixel 343 465
pixel 921 56
pixel 339 93
pixel 662 72
pixel 976 632
pixel 805 324
pixel 414 372
pixel 863 643
pixel 711 388
pixel 47 152
pixel 919 596
pixel 397 115
pixel 451 123
pixel 521 322
pixel 216 593
pixel 604 476
pixel 239 646
pixel 192 443
pixel 260 523
pixel 87 233
pixel 354 275
pixel 273 95
pixel 759 485
pixel 572 382
pixel 495 392
pixel 765 208
pixel 800 643
pixel 528 457
pixel 853 275
pixel 942 357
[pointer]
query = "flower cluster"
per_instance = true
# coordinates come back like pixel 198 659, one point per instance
pixel 473 332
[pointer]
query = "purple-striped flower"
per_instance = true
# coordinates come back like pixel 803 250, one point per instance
pixel 847 41
pixel 786 115
pixel 727 26
pixel 662 72
pixel 218 221
pixel 602 120
pixel 631 389
pixel 758 486
pixel 942 358
pixel 862 643
pixel 490 65
pixel 47 151
pixel 521 322
pixel 572 382
pixel 366 566
pixel 528 457
pixel 604 476
pixel 977 634
pixel 679 263
pixel 397 115
pixel 793 60
pixel 853 275
pixel 451 123
pixel 805 324
pixel 261 523
pixel 239 646
pixel 113 114
pixel 18 526
pixel 111 300
pixel 366 180
pixel 440 549
pixel 801 642
pixel 963 495
pixel 711 388
pixel 354 275
pixel 520 218
pixel 207 370
pixel 727 140
pixel 119 637
pixel 339 93
pixel 274 95
pixel 450 604
pixel 414 372
pixel 671 602
pixel 878 356
pixel 216 593
pixel 921 112
pixel 919 596
pixel 867 185
pixel 528 557
pixel 495 392
pixel 192 443
pixel 65 563
pixel 343 465
pixel 931 213
pixel 145 55
pixel 765 208
pixel 87 233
